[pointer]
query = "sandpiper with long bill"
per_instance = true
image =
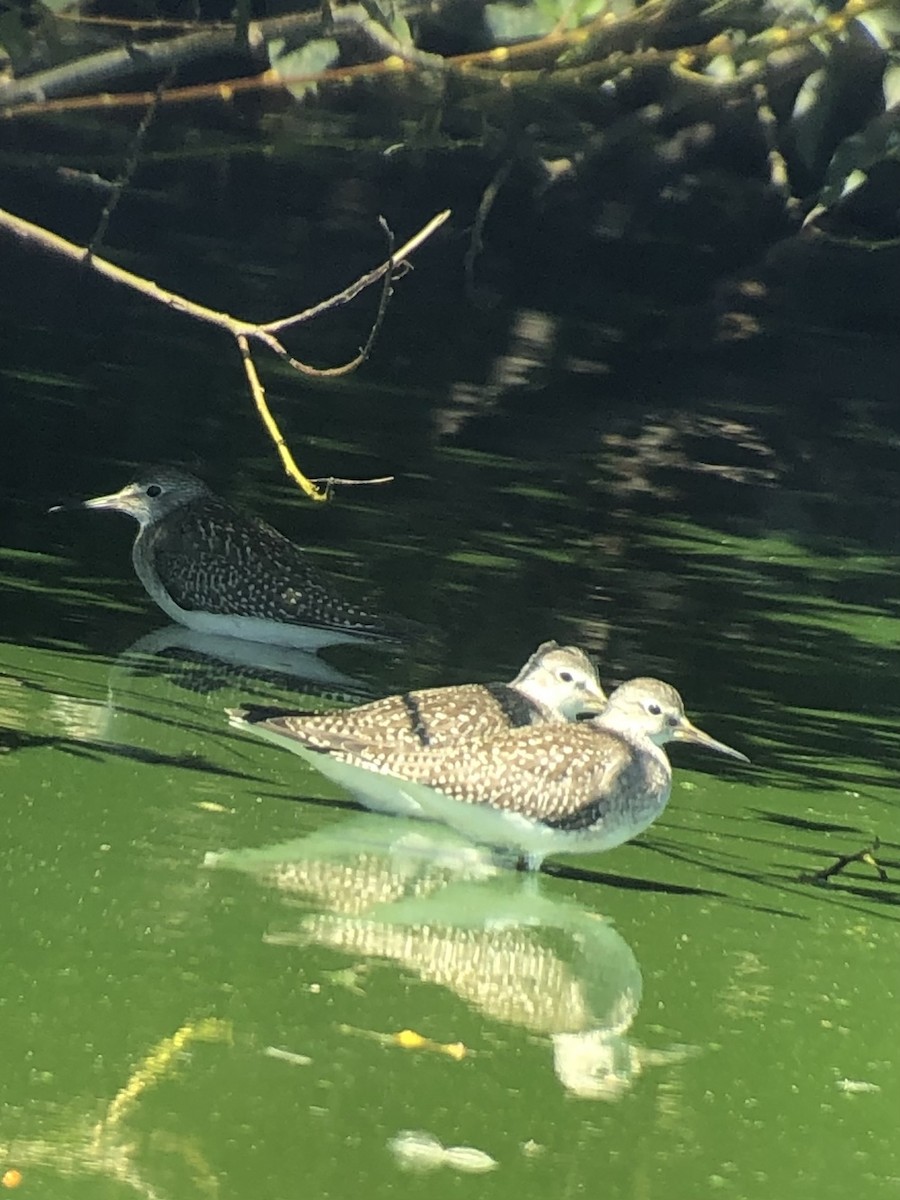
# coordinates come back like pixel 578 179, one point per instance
pixel 578 788
pixel 557 683
pixel 219 570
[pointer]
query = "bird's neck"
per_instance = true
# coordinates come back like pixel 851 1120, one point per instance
pixel 142 557
pixel 619 723
pixel 530 702
pixel 524 689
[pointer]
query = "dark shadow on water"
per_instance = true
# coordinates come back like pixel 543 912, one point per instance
pixel 628 882
pixel 845 885
pixel 569 872
pixel 798 885
pixel 187 762
pixel 335 802
pixel 14 740
pixel 795 822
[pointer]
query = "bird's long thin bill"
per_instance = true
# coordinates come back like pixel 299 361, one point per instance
pixel 690 733
pixel 77 505
pixel 113 500
pixel 594 700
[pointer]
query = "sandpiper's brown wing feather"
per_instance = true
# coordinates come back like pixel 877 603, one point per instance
pixel 430 717
pixel 243 567
pixel 546 772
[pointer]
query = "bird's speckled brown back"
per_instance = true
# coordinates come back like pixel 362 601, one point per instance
pixel 212 557
pixel 562 775
pixel 429 718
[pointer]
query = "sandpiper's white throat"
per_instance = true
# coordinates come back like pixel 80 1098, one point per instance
pixel 579 788
pixel 218 570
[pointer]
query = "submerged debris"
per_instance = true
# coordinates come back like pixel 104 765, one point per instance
pixel 410 1040
pixel 857 1087
pixel 288 1056
pixel 416 1150
pixel 866 855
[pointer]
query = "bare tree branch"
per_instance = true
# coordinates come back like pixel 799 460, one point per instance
pixel 244 332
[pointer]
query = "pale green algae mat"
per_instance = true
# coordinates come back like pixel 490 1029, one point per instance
pixel 210 989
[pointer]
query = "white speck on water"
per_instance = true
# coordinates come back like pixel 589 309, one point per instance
pixel 532 1149
pixel 468 1158
pixel 288 1056
pixel 416 1150
pixel 857 1087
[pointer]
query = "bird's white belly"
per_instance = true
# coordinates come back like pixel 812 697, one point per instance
pixel 481 823
pixel 533 839
pixel 381 793
pixel 249 629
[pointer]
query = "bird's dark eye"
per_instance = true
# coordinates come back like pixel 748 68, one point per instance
pixel 654 710
pixel 566 676
pixel 154 490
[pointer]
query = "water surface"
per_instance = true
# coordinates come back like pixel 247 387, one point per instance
pixel 221 979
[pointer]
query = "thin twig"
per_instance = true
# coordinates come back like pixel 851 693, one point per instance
pixel 244 332
pixel 476 243
pixel 109 68
pixel 386 291
pixel 866 855
pixel 271 426
pixel 125 176
pixel 336 481
pixel 364 281
pixel 601 48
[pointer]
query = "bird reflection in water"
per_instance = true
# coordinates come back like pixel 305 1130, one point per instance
pixel 178 680
pixel 437 906
pixel 207 663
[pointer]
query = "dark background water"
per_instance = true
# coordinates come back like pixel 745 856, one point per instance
pixel 583 450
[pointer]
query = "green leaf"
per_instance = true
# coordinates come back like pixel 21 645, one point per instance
pixel 516 22
pixel 513 23
pixel 401 30
pixel 311 59
pixel 14 38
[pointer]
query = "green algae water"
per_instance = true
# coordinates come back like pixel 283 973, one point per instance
pixel 221 979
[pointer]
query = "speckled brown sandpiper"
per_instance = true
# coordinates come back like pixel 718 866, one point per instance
pixel 578 788
pixel 218 570
pixel 558 683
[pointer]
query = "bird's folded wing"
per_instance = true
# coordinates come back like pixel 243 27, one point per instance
pixel 542 774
